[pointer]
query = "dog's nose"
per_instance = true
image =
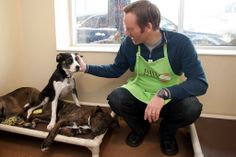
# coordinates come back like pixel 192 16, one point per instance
pixel 77 68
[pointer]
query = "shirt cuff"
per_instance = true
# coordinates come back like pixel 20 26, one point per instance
pixel 87 68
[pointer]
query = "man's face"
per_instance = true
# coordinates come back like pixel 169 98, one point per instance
pixel 133 30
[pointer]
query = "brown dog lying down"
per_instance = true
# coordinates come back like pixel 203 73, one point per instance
pixel 74 120
pixel 16 102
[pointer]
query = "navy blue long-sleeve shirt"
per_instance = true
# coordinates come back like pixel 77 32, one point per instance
pixel 182 57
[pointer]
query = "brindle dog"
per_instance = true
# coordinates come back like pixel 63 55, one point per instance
pixel 74 120
pixel 17 102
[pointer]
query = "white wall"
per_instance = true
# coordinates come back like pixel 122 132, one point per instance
pixel 38 41
pixel 10 45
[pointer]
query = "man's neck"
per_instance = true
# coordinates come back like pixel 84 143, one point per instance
pixel 153 38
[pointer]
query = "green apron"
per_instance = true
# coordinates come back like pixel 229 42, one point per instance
pixel 151 76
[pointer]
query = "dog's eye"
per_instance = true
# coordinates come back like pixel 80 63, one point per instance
pixel 69 61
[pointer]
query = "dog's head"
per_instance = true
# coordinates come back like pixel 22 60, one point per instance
pixel 68 62
pixel 100 121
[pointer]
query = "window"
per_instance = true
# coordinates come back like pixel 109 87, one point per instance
pixel 99 21
pixel 209 22
pixel 206 22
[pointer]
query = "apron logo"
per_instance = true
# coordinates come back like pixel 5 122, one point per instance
pixel 165 77
pixel 162 77
pixel 151 73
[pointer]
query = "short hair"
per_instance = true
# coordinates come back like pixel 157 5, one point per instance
pixel 145 12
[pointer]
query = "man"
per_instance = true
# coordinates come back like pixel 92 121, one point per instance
pixel 158 59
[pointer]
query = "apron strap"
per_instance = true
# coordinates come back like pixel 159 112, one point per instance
pixel 165 50
pixel 138 53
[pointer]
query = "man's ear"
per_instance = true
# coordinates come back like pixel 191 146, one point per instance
pixel 149 27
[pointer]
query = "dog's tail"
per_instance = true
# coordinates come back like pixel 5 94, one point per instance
pixel 51 135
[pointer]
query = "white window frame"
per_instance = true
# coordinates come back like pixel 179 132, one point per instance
pixel 65 39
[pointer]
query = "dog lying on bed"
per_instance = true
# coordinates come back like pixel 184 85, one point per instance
pixel 16 102
pixel 79 121
pixel 72 121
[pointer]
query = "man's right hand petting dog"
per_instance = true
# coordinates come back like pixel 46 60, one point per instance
pixel 59 85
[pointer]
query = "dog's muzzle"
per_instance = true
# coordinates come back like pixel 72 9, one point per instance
pixel 77 68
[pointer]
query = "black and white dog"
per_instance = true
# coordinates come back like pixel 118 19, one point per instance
pixel 59 85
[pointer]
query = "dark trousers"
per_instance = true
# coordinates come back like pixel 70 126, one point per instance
pixel 173 115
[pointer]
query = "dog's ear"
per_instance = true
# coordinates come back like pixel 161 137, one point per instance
pixel 59 57
pixel 98 109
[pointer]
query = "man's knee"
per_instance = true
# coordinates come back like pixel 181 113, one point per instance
pixel 118 98
pixel 192 109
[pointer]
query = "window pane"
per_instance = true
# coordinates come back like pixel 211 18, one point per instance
pixel 169 13
pixel 210 22
pixel 99 21
pixel 102 21
pixel 206 22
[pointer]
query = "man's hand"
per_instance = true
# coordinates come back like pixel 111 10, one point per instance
pixel 152 111
pixel 81 63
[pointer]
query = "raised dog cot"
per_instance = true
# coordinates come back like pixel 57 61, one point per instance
pixel 92 144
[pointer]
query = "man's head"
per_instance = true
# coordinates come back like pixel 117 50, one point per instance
pixel 141 18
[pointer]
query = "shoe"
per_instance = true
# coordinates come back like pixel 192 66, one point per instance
pixel 134 140
pixel 169 145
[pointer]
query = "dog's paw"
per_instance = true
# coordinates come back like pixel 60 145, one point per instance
pixel 44 147
pixel 50 126
pixel 31 125
pixel 26 105
pixel 29 112
pixel 77 103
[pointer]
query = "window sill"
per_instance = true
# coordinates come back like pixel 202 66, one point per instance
pixel 91 48
pixel 217 50
pixel 113 48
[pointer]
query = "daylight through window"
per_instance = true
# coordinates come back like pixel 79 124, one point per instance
pixel 101 22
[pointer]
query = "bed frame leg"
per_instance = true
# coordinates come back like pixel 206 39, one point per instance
pixel 95 151
pixel 195 141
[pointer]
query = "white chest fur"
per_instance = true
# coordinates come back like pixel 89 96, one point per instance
pixel 63 88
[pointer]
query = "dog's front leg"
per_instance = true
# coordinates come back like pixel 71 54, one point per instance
pixel 75 98
pixel 29 112
pixel 74 93
pixel 58 87
pixel 53 114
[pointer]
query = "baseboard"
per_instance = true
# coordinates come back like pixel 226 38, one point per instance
pixel 89 103
pixel 218 116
